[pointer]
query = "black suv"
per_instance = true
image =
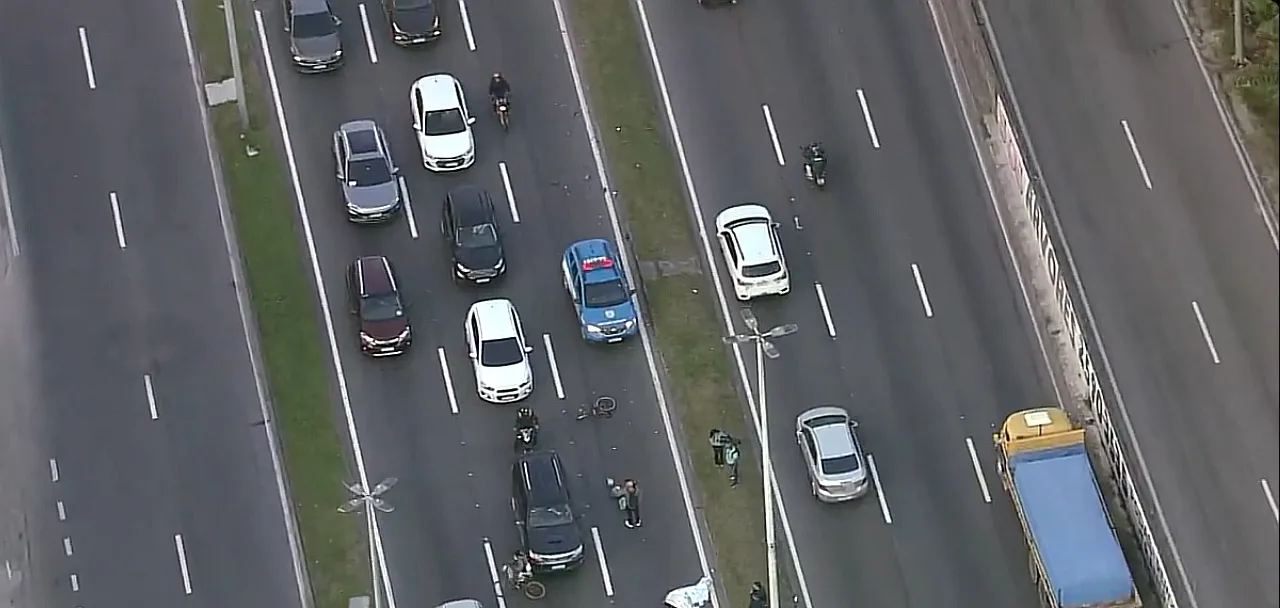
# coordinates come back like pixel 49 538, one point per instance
pixel 314 42
pixel 374 299
pixel 548 529
pixel 470 229
pixel 412 22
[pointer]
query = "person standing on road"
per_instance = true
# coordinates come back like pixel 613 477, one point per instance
pixel 731 455
pixel 719 439
pixel 630 503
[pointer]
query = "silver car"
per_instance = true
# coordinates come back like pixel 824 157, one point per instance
pixel 366 172
pixel 829 444
pixel 467 603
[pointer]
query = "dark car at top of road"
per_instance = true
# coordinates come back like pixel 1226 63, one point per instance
pixel 412 22
pixel 366 172
pixel 315 44
pixel 469 226
pixel 544 513
pixel 373 297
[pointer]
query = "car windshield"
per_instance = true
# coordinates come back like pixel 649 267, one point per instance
pixel 368 172
pixel 549 517
pixel 841 465
pixel 604 295
pixel 314 25
pixel 443 122
pixel 381 307
pixel 756 271
pixel 501 353
pixel 474 237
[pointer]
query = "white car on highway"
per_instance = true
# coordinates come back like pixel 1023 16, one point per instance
pixel 442 123
pixel 749 240
pixel 499 352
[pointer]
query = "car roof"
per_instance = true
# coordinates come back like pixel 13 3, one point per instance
pixel 438 91
pixel 469 206
pixel 362 136
pixel 463 603
pixel 494 319
pixel 375 275
pixel 752 229
pixel 544 472
pixel 596 248
pixel 308 7
pixel 833 439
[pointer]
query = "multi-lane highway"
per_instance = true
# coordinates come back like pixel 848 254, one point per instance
pixel 153 484
pixel 418 416
pixel 901 284
pixel 1179 268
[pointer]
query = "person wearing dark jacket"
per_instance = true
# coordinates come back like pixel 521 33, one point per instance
pixel 499 88
pixel 630 503
pixel 719 440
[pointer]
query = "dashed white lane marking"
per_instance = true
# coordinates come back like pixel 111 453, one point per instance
pixel 88 60
pixel 555 368
pixel 1204 331
pixel 75 582
pixel 866 116
pixel 408 208
pixel 493 575
pixel 1271 499
pixel 773 134
pixel 604 565
pixel 511 193
pixel 924 294
pixel 182 563
pixel 66 545
pixel 826 312
pixel 8 209
pixel 448 380
pixel 115 216
pixel 53 469
pixel 1137 155
pixel 875 477
pixel 368 34
pixel 151 396
pixel 62 511
pixel 466 25
pixel 977 469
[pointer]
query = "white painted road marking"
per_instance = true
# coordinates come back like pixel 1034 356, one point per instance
pixel 773 134
pixel 511 193
pixel 66 545
pixel 555 368
pixel 448 381
pixel 924 294
pixel 1204 331
pixel 88 61
pixel 604 565
pixel 53 469
pixel 493 575
pixel 11 227
pixel 408 208
pixel 977 469
pixel 1271 499
pixel 62 511
pixel 466 25
pixel 1133 146
pixel 75 582
pixel 826 312
pixel 875 477
pixel 866 116
pixel 182 563
pixel 151 396
pixel 115 216
pixel 368 34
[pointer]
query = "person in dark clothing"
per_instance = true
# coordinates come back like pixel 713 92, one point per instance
pixel 499 88
pixel 719 439
pixel 759 598
pixel 731 455
pixel 630 503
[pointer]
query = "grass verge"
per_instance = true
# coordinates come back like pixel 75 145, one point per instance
pixel 284 306
pixel 687 328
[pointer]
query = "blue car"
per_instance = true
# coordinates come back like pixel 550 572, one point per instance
pixel 593 276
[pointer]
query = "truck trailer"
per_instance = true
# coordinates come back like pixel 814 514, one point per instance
pixel 1076 559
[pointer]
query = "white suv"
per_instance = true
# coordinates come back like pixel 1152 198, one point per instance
pixel 442 123
pixel 749 239
pixel 499 353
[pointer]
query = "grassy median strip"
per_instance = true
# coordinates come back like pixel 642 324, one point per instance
pixel 680 300
pixel 285 308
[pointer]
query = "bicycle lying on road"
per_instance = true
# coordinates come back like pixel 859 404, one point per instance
pixel 523 582
pixel 602 407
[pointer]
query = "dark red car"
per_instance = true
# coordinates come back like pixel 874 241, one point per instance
pixel 374 299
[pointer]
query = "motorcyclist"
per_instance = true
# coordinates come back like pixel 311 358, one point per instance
pixel 526 419
pixel 814 157
pixel 499 89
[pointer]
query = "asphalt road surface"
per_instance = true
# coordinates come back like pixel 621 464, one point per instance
pixel 453 454
pixel 152 482
pixel 901 285
pixel 1177 264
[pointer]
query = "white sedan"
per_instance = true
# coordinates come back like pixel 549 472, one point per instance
pixel 749 240
pixel 499 352
pixel 442 123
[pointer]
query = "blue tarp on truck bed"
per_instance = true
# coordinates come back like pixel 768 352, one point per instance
pixel 1068 521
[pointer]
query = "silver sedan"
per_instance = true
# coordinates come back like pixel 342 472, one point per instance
pixel 832 455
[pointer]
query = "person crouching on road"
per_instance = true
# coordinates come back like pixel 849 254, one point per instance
pixel 630 503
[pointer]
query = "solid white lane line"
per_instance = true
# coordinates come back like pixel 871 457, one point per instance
pixel 555 368
pixel 151 396
pixel 924 294
pixel 88 61
pixel 511 193
pixel 604 565
pixel 408 209
pixel 1271 499
pixel 66 545
pixel 448 381
pixel 1204 331
pixel 826 312
pixel 773 134
pixel 115 216
pixel 977 469
pixel 1137 155
pixel 466 25
pixel 493 575
pixel 62 511
pixel 182 563
pixel 875 477
pixel 75 582
pixel 53 469
pixel 368 34
pixel 866 116
pixel 12 228
pixel 8 569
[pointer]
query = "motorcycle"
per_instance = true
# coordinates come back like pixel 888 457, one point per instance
pixel 502 108
pixel 815 166
pixel 526 439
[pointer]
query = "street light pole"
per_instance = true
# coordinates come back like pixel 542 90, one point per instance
pixel 370 502
pixel 765 350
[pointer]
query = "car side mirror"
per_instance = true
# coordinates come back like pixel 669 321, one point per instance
pixel 336 20
pixel 395 170
pixel 853 424
pixel 528 348
pixel 631 291
pixel 472 354
pixel 775 224
pixel 471 120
